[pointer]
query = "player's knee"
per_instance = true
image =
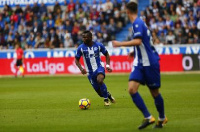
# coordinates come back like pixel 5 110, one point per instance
pixel 132 90
pixel 100 81
pixel 133 87
pixel 154 92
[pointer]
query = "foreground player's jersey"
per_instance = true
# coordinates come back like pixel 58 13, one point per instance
pixel 144 54
pixel 91 55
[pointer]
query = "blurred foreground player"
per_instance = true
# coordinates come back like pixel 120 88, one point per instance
pixel 20 58
pixel 94 66
pixel 146 68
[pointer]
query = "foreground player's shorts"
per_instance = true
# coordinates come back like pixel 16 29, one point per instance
pixel 149 75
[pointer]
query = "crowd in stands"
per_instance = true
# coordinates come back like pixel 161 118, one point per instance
pixel 60 26
pixel 173 21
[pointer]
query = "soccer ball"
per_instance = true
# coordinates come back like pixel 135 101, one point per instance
pixel 84 103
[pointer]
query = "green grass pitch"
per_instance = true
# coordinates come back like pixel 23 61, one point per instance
pixel 51 104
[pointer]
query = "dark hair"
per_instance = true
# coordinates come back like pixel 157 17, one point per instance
pixel 132 7
pixel 87 32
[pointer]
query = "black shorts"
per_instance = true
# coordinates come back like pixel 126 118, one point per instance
pixel 19 62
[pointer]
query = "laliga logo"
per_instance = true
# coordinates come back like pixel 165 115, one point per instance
pixel 12 66
pixel 45 66
pixel 73 68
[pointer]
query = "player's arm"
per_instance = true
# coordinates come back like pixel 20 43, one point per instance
pixel 78 64
pixel 137 37
pixel 134 42
pixel 106 54
pixel 108 62
pixel 77 58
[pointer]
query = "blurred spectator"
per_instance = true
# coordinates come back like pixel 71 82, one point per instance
pixel 39 41
pixel 56 7
pixel 162 37
pixel 71 5
pixel 196 39
pixel 108 5
pixel 190 39
pixel 30 42
pixel 2 41
pixel 170 38
pixel 181 39
pixel 75 31
pixel 43 9
pixel 68 41
pixel 18 9
pixel 35 8
pixel 157 42
pixel 36 28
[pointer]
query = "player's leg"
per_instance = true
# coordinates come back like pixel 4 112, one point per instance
pixel 21 68
pixel 112 99
pixel 136 78
pixel 16 68
pixel 159 103
pixel 153 82
pixel 103 88
pixel 95 85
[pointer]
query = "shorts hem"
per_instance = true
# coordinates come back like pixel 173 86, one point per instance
pixel 153 87
pixel 137 81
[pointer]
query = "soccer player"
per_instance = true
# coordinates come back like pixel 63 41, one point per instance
pixel 20 59
pixel 90 51
pixel 146 68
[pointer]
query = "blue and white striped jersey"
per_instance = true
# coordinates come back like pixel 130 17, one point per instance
pixel 91 55
pixel 144 54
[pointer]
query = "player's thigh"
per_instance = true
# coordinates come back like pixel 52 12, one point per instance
pixel 100 78
pixel 19 62
pixel 137 75
pixel 99 74
pixel 93 82
pixel 152 76
pixel 135 79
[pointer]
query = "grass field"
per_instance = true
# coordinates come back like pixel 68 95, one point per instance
pixel 51 104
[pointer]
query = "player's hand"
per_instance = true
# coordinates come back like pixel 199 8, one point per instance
pixel 130 55
pixel 108 69
pixel 83 71
pixel 115 43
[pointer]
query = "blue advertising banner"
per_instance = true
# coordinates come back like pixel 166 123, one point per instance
pixel 55 53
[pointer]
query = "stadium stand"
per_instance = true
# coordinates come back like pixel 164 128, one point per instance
pixel 173 21
pixel 60 26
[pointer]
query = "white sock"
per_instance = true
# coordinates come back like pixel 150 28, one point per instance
pixel 161 119
pixel 148 117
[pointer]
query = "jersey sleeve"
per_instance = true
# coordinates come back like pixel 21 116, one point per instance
pixel 138 29
pixel 102 48
pixel 78 53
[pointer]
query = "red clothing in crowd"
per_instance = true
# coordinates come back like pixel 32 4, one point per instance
pixel 14 17
pixel 71 6
pixel 20 53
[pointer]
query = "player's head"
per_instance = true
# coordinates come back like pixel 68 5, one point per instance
pixel 17 45
pixel 131 8
pixel 87 37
